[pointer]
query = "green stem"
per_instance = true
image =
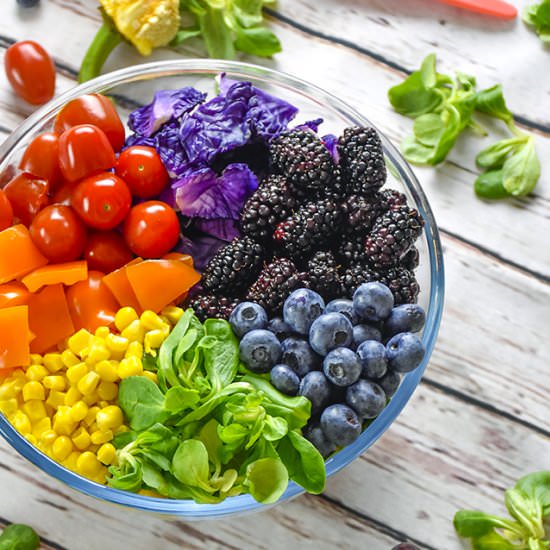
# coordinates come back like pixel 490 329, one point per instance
pixel 105 41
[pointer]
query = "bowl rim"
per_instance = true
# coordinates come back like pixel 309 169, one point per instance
pixel 243 503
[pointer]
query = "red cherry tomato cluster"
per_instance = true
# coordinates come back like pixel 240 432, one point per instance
pixel 75 191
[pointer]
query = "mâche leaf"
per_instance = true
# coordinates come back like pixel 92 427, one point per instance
pixel 537 15
pixel 266 479
pixel 489 185
pixel 142 402
pixel 491 102
pixel 521 171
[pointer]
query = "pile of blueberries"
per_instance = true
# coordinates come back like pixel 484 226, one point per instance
pixel 346 357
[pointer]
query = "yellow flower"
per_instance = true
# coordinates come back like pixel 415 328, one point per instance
pixel 147 24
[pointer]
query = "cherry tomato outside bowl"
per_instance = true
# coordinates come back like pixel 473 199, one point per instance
pixel 59 233
pixel 151 229
pixel 142 169
pixel 6 211
pixel 107 251
pixel 94 109
pixel 30 71
pixel 84 150
pixel 102 201
pixel 41 159
pixel 27 195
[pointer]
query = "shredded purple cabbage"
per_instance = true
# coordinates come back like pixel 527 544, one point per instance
pixel 203 248
pixel 330 141
pixel 225 229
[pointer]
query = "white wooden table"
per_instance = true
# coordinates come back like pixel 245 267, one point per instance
pixel 480 418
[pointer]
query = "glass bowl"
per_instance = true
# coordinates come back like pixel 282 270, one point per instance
pixel 135 86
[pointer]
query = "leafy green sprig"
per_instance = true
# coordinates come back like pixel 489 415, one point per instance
pixel 537 15
pixel 443 107
pixel 529 505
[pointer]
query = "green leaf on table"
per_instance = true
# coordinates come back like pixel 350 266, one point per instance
pixel 489 185
pixel 266 479
pixel 496 154
pixel 19 537
pixel 521 171
pixel 491 102
pixel 538 16
pixel 259 41
pixel 492 541
pixel 537 487
pixel 248 13
pixel 217 35
pixel 525 510
pixel 185 34
pixel 142 402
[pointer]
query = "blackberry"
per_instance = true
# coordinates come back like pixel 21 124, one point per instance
pixel 392 198
pixel 361 212
pixel 208 306
pixel 268 205
pixel 352 249
pixel 303 158
pixel 275 282
pixel 362 159
pixel 323 274
pixel 402 283
pixel 309 228
pixel 411 259
pixel 392 235
pixel 336 190
pixel 355 276
pixel 233 267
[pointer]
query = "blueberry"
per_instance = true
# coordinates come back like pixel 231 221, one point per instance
pixel 316 388
pixel 301 308
pixel 247 316
pixel 365 332
pixel 28 3
pixel 340 424
pixel 405 352
pixel 389 383
pixel 404 318
pixel 285 379
pixel 342 367
pixel 299 356
pixel 278 327
pixel 373 301
pixel 315 435
pixel 344 306
pixel 260 350
pixel 330 331
pixel 373 357
pixel 366 398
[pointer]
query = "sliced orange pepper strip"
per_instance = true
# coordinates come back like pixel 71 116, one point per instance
pixel 118 283
pixel 185 258
pixel 68 273
pixel 49 318
pixel 14 337
pixel 14 294
pixel 157 283
pixel 18 253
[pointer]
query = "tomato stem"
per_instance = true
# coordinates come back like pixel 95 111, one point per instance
pixel 105 41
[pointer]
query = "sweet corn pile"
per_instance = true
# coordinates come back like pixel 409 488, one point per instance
pixel 65 403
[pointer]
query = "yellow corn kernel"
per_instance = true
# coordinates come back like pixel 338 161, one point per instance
pixel 172 313
pixel 56 382
pixel 71 460
pixel 122 429
pixel 56 398
pixel 63 423
pixel 91 399
pixel 130 366
pixel 7 390
pixel 90 417
pixel 9 406
pixel 116 343
pixel 79 411
pixel 81 439
pixel 107 391
pixel 109 418
pixel 36 359
pixel 69 359
pixel 88 464
pixel 35 409
pixel 124 316
pixel 153 340
pixel 88 383
pixel 106 454
pixel 97 352
pixel 36 372
pixel 151 376
pixel 48 437
pixel 43 425
pixel 54 362
pixel 76 372
pixel 135 349
pixel 102 332
pixel 33 390
pixel 99 437
pixel 134 332
pixel 21 422
pixel 107 371
pixel 101 476
pixel 80 342
pixel 150 320
pixel 31 439
pixel 72 396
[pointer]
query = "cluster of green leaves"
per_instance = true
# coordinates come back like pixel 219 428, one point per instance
pixel 210 429
pixel 528 503
pixel 443 107
pixel 227 26
pixel 538 16
pixel 19 537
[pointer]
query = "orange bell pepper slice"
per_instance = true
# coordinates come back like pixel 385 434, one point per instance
pixel 185 258
pixel 14 294
pixel 14 337
pixel 49 318
pixel 68 273
pixel 18 254
pixel 158 283
pixel 118 283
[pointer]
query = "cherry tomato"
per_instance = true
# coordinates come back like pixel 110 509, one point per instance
pixel 41 158
pixel 151 229
pixel 58 233
pixel 27 195
pixel 107 251
pixel 93 109
pixel 84 150
pixel 91 303
pixel 6 211
pixel 30 71
pixel 143 171
pixel 102 201
pixel 64 193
